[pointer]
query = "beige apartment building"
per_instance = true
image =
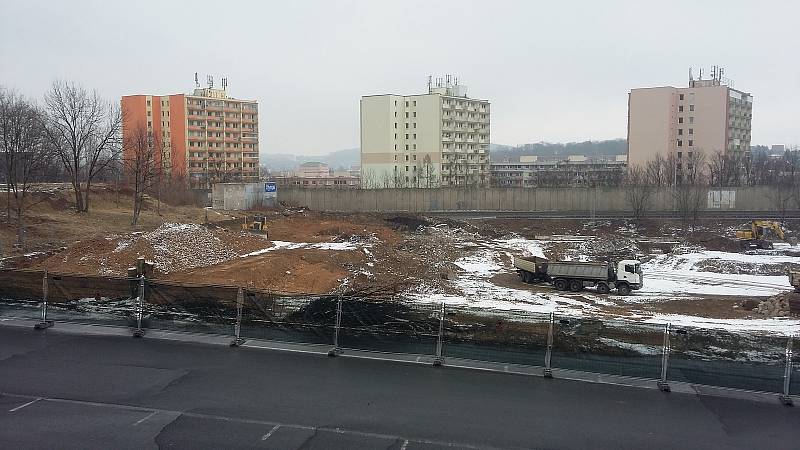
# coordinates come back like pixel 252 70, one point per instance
pixel 708 116
pixel 208 136
pixel 429 140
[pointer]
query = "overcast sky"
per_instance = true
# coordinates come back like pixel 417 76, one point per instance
pixel 553 71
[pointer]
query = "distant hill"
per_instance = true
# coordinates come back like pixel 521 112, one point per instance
pixel 586 148
pixel 285 161
pixel 348 157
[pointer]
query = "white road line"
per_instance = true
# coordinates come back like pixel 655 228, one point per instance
pixel 275 425
pixel 145 418
pixel 24 405
pixel 266 436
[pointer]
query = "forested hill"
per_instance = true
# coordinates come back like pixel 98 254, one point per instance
pixel 587 148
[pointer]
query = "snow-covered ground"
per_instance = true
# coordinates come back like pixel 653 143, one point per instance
pixel 666 276
pixel 284 245
pixel 680 274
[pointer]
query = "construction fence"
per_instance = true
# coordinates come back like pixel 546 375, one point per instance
pixel 588 200
pixel 436 332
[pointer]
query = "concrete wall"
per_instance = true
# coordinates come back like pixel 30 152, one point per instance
pixel 240 196
pixel 510 199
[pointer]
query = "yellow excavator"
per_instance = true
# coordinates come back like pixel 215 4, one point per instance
pixel 760 234
pixel 255 224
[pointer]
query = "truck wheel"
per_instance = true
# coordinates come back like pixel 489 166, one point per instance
pixel 575 285
pixel 526 277
pixel 560 284
pixel 624 289
pixel 603 288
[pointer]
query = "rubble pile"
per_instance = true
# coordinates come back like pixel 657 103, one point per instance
pixel 782 305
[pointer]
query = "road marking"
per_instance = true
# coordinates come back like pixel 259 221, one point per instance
pixel 405 444
pixel 24 405
pixel 275 425
pixel 145 418
pixel 266 436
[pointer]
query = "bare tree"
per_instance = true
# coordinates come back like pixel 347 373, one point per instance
pixel 429 172
pixel 141 147
pixel 85 133
pixel 691 189
pixel 638 190
pixel 368 179
pixel 25 153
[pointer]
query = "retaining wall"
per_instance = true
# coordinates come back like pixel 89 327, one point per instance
pixel 610 199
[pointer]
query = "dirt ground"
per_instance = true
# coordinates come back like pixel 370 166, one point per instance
pixel 314 252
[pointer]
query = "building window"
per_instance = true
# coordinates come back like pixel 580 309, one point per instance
pixel 395 124
pixel 415 135
pixel 406 157
pixel 415 157
pixel 691 107
pixel 415 147
pixel 680 131
pixel 406 103
pixel 415 124
pixel 680 143
pixel 406 146
pixel 406 135
pixel 406 125
pixel 680 119
pixel 681 96
pixel 691 119
pixel 680 108
pixel 415 114
pixel 691 130
pixel 680 154
pixel 406 114
pixel 415 103
pixel 406 168
pixel 691 143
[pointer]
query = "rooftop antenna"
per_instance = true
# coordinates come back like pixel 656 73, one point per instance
pixel 196 81
pixel 224 83
pixel 210 81
pixel 430 81
pixel 690 75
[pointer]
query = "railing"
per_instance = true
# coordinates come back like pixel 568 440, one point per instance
pixel 434 332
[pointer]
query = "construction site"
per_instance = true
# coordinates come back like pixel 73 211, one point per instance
pixel 696 274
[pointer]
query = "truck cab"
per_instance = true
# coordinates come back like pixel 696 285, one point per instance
pixel 629 271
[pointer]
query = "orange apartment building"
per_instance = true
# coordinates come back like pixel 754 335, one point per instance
pixel 208 137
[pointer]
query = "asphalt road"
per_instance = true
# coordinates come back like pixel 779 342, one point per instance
pixel 72 391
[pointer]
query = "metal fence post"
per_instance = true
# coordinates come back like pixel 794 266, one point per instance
pixel 44 323
pixel 139 332
pixel 785 398
pixel 439 360
pixel 548 371
pixel 237 340
pixel 336 350
pixel 662 382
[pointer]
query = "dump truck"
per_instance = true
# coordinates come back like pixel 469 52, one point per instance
pixel 624 276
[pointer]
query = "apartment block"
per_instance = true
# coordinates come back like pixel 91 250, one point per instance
pixel 428 140
pixel 572 171
pixel 709 116
pixel 208 136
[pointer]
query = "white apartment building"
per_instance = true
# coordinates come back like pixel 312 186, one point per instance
pixel 429 140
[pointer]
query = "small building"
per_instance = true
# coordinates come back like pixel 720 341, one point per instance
pixel 241 196
pixel 574 171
